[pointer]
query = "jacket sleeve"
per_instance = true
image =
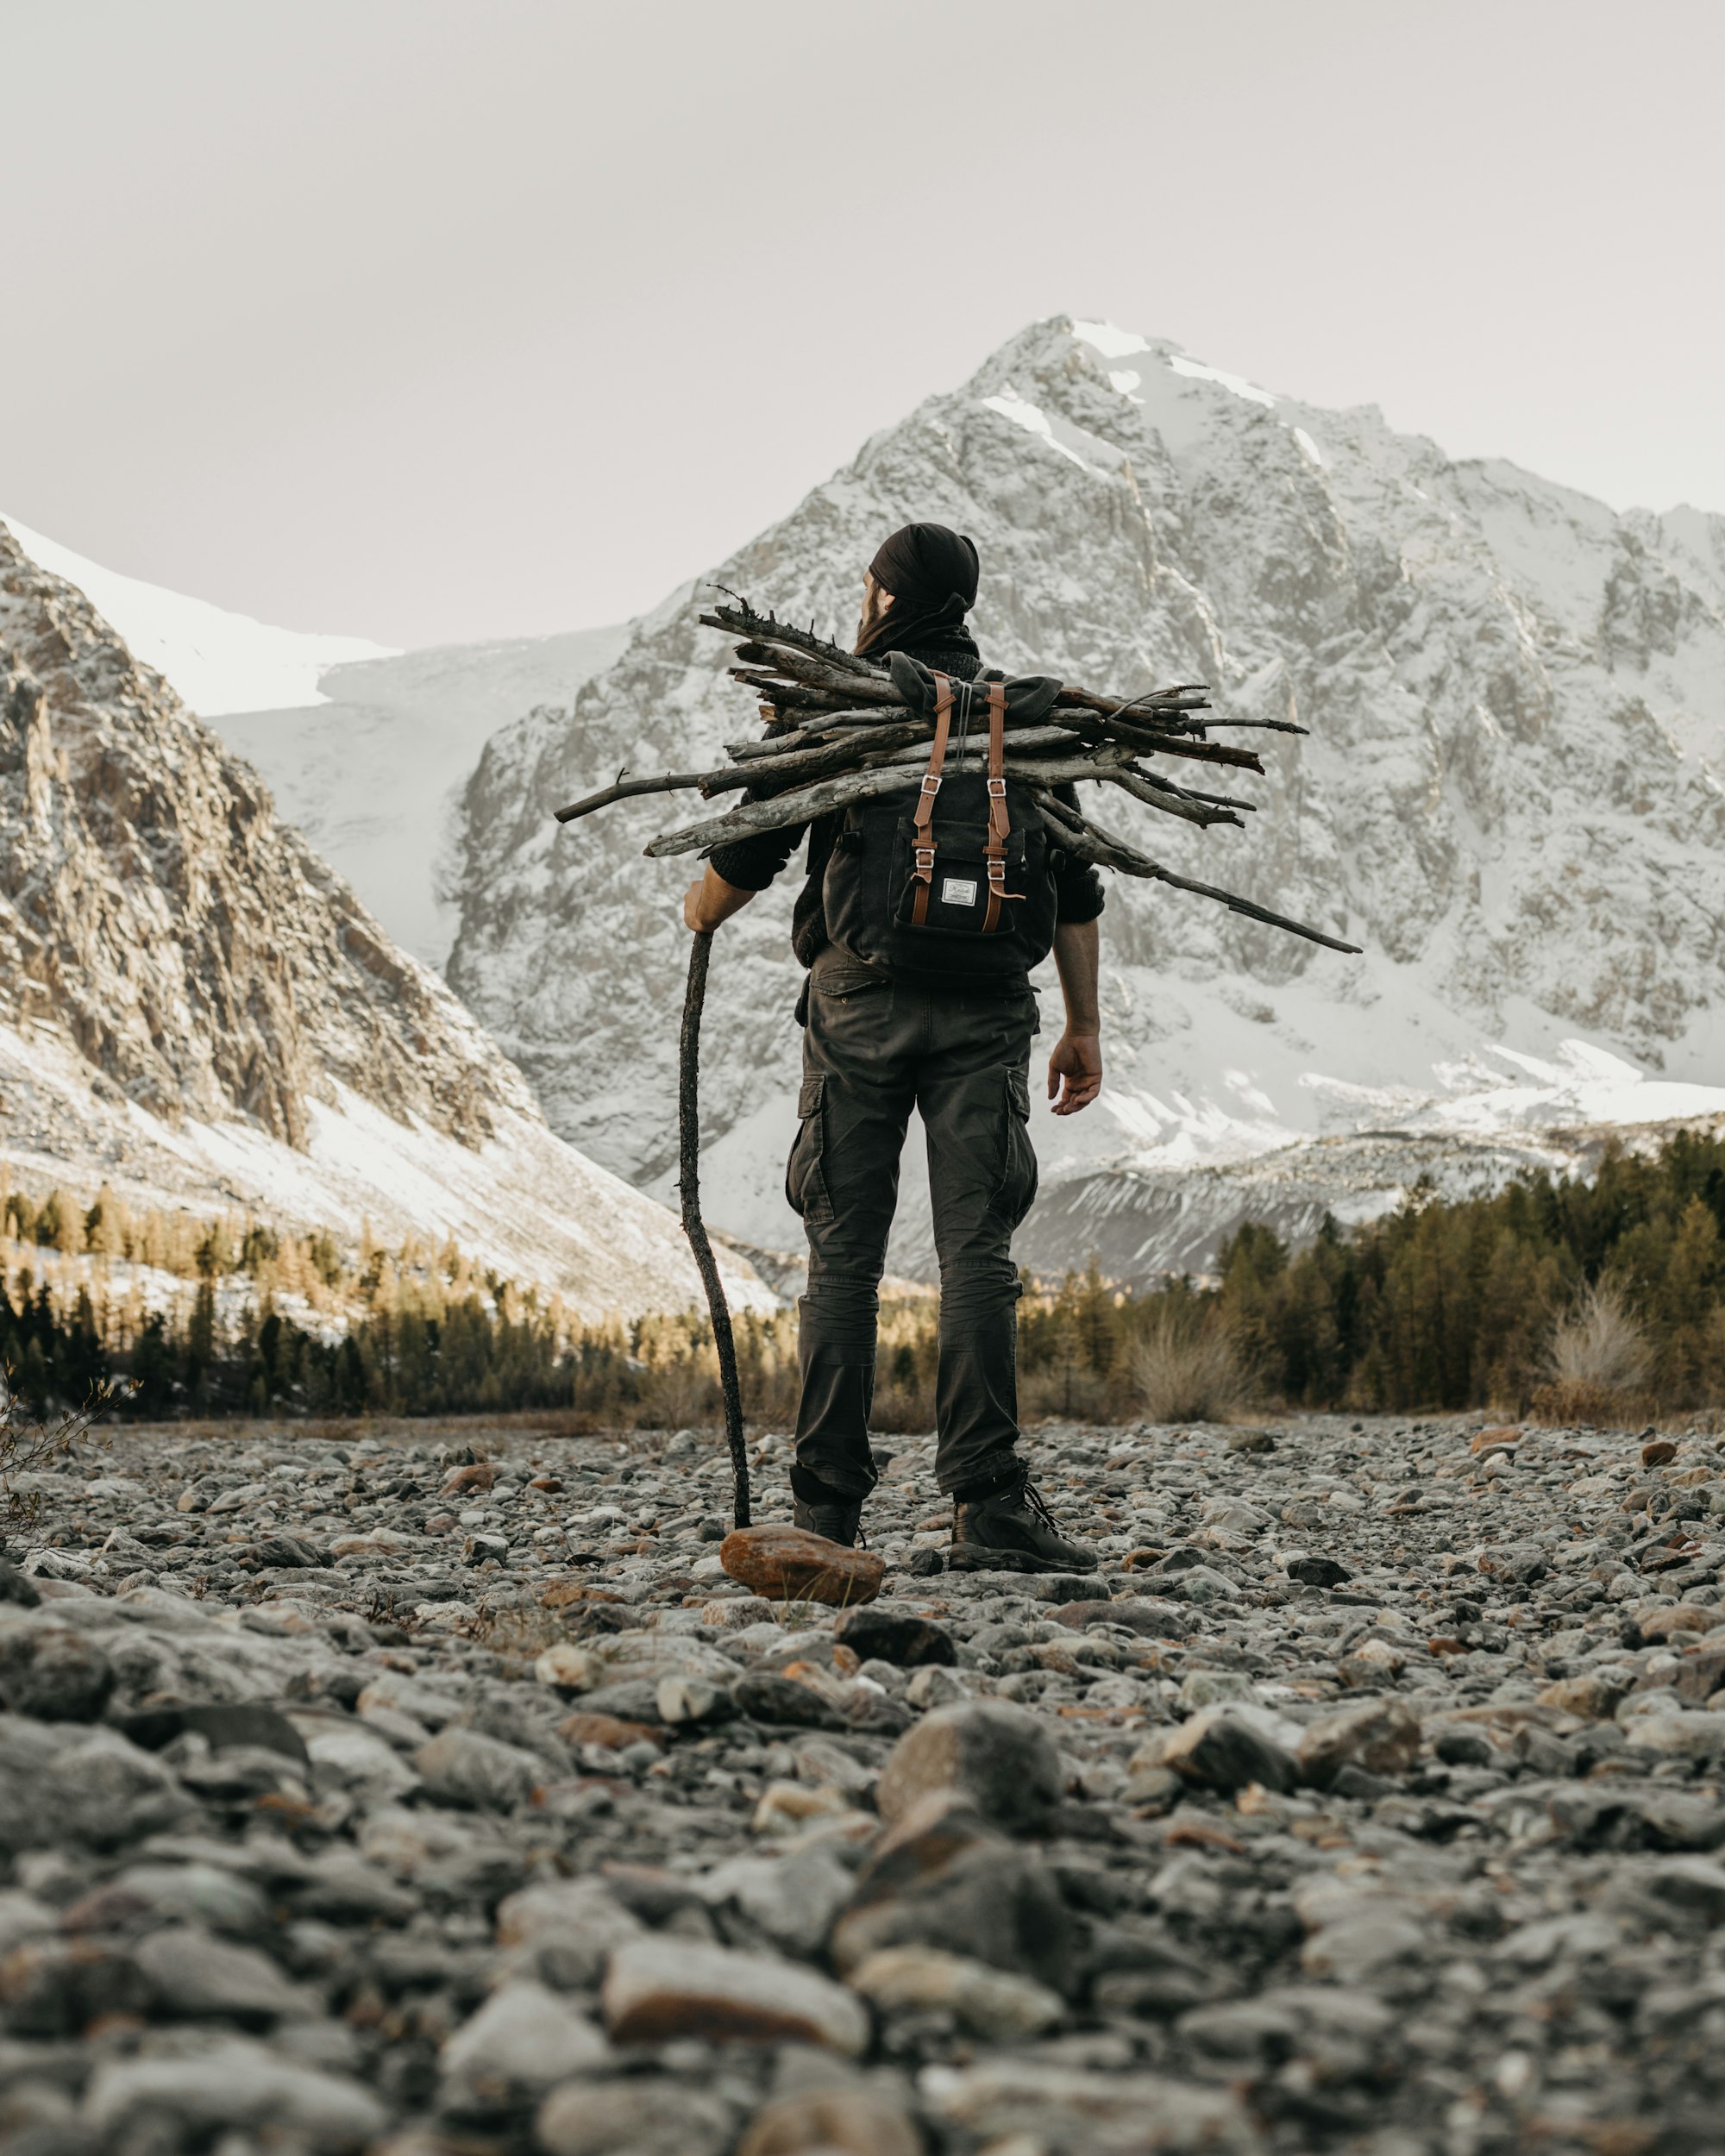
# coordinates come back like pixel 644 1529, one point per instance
pixel 1077 888
pixel 751 863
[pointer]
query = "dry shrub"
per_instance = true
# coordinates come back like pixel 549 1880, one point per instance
pixel 679 1394
pixel 1185 1368
pixel 1073 1391
pixel 1571 1403
pixel 1599 1364
pixel 29 1447
pixel 900 1409
pixel 1597 1342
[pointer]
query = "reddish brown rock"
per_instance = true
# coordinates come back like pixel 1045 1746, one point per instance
pixel 788 1564
pixel 561 1594
pixel 1660 1623
pixel 481 1476
pixel 608 1729
pixel 1659 1452
pixel 1489 1440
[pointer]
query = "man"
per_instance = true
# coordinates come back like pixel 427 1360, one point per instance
pixel 954 1041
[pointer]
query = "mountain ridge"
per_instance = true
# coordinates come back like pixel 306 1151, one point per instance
pixel 194 1007
pixel 1510 793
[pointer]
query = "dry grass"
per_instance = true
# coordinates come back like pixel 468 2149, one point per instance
pixel 1184 1369
pixel 1599 1364
pixel 1597 1342
pixel 1572 1403
pixel 27 1446
pixel 1070 1392
pixel 680 1395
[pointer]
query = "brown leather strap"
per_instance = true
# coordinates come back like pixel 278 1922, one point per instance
pixel 923 876
pixel 1000 824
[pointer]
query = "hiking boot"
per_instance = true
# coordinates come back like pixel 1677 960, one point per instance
pixel 1010 1530
pixel 836 1521
pixel 819 1509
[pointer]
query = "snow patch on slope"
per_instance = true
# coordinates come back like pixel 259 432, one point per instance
pixel 215 660
pixel 1195 371
pixel 374 776
pixel 522 1202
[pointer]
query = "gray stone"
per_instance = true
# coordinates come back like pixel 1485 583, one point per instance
pixel 1381 1736
pixel 52 1673
pixel 1220 1749
pixel 192 1893
pixel 992 2003
pixel 206 2085
pixel 874 1633
pixel 1151 1619
pixel 793 1900
pixel 102 1790
pixel 459 1766
pixel 196 1977
pixel 567 1928
pixel 763 1696
pixel 1044 2105
pixel 632 2118
pixel 956 1885
pixel 521 2041
pixel 998 1758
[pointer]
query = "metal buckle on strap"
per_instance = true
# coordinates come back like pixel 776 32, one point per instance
pixel 998 788
pixel 930 783
pixel 924 862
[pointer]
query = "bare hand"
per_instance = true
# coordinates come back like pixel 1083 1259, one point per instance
pixel 693 918
pixel 1075 1072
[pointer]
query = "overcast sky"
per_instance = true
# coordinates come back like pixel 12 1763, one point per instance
pixel 429 320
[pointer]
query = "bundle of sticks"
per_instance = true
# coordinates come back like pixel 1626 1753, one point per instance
pixel 839 731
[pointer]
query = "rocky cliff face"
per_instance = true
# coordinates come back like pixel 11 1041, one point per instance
pixel 200 954
pixel 191 1002
pixel 1511 795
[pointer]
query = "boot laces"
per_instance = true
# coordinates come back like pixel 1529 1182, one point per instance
pixel 1035 1504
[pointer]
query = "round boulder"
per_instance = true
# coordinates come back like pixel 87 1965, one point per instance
pixel 997 1757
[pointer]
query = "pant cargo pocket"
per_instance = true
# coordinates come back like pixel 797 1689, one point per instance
pixel 806 1191
pixel 1016 1192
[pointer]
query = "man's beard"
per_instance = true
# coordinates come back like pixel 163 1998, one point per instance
pixel 874 612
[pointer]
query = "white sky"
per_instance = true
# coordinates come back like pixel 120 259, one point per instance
pixel 428 320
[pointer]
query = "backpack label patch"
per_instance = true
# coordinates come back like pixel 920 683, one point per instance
pixel 958 891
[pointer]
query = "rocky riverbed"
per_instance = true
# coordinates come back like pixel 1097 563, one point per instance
pixel 377 1790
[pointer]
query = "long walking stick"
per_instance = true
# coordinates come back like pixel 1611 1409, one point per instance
pixel 688 1132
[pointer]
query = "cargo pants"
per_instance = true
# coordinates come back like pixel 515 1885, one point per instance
pixel 875 1047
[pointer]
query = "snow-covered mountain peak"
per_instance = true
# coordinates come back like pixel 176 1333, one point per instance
pixel 1510 794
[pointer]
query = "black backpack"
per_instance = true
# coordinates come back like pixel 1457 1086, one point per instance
pixel 962 882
